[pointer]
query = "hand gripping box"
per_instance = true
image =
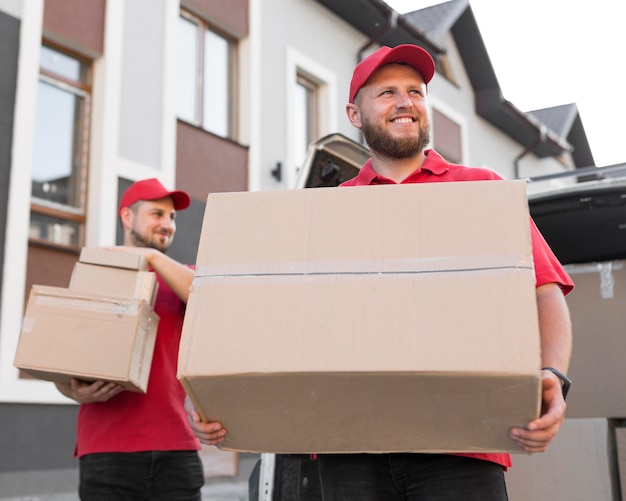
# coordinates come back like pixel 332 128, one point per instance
pixel 68 333
pixel 365 319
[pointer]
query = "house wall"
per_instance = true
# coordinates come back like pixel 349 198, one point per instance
pixel 487 146
pixel 313 39
pixel 31 437
pixel 134 134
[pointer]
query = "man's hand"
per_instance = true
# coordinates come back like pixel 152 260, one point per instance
pixel 539 432
pixel 85 392
pixel 211 433
pixel 178 276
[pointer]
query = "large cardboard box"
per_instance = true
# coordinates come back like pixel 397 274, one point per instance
pixel 68 333
pixel 373 319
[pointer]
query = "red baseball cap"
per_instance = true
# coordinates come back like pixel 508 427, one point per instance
pixel 152 189
pixel 410 54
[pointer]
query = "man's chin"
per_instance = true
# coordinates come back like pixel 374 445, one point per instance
pixel 161 245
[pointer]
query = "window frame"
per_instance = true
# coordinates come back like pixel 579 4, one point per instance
pixel 299 65
pixel 76 214
pixel 202 27
pixel 312 88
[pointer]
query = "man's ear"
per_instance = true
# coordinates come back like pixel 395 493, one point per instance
pixel 126 217
pixel 354 114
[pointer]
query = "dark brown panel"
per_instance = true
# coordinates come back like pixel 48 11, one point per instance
pixel 77 23
pixel 49 266
pixel 231 16
pixel 206 163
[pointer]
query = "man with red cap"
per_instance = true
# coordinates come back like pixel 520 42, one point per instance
pixel 388 102
pixel 132 445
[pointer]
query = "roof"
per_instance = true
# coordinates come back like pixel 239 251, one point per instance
pixel 437 20
pixel 428 28
pixel 382 24
pixel 565 122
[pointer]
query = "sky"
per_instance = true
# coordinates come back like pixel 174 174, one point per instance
pixel 551 52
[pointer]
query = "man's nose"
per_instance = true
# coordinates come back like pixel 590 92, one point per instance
pixel 168 223
pixel 404 100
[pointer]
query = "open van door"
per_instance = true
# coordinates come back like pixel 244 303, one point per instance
pixel 329 162
pixel 584 222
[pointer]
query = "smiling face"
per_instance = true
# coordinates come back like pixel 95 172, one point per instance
pixel 150 223
pixel 391 110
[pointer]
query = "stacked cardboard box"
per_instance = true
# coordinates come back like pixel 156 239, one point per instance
pixel 365 319
pixel 101 327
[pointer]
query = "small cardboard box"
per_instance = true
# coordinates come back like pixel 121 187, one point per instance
pixel 365 319
pixel 116 259
pixel 110 281
pixel 89 336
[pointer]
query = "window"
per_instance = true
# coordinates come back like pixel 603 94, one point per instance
pixel 447 138
pixel 205 77
pixel 444 69
pixel 311 106
pixel 305 106
pixel 59 172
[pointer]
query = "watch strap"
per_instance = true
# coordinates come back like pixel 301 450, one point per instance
pixel 566 382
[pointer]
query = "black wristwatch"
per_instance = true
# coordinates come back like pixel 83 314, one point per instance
pixel 567 382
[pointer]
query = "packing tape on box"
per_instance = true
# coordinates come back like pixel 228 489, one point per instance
pixel 354 267
pixel 118 307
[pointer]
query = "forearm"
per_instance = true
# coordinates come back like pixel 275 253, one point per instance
pixel 555 327
pixel 556 347
pixel 178 276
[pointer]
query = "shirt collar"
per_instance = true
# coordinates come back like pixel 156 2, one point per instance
pixel 434 163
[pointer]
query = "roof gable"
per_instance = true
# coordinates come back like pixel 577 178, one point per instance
pixel 437 20
pixel 427 27
pixel 566 123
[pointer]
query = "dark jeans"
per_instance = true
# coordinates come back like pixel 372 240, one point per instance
pixel 410 477
pixel 155 475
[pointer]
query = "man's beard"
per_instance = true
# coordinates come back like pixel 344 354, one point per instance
pixel 141 241
pixel 384 144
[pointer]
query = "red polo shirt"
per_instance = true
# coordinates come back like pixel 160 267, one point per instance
pixel 152 421
pixel 437 170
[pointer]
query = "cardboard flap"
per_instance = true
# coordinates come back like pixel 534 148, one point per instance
pixel 366 229
pixel 117 259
